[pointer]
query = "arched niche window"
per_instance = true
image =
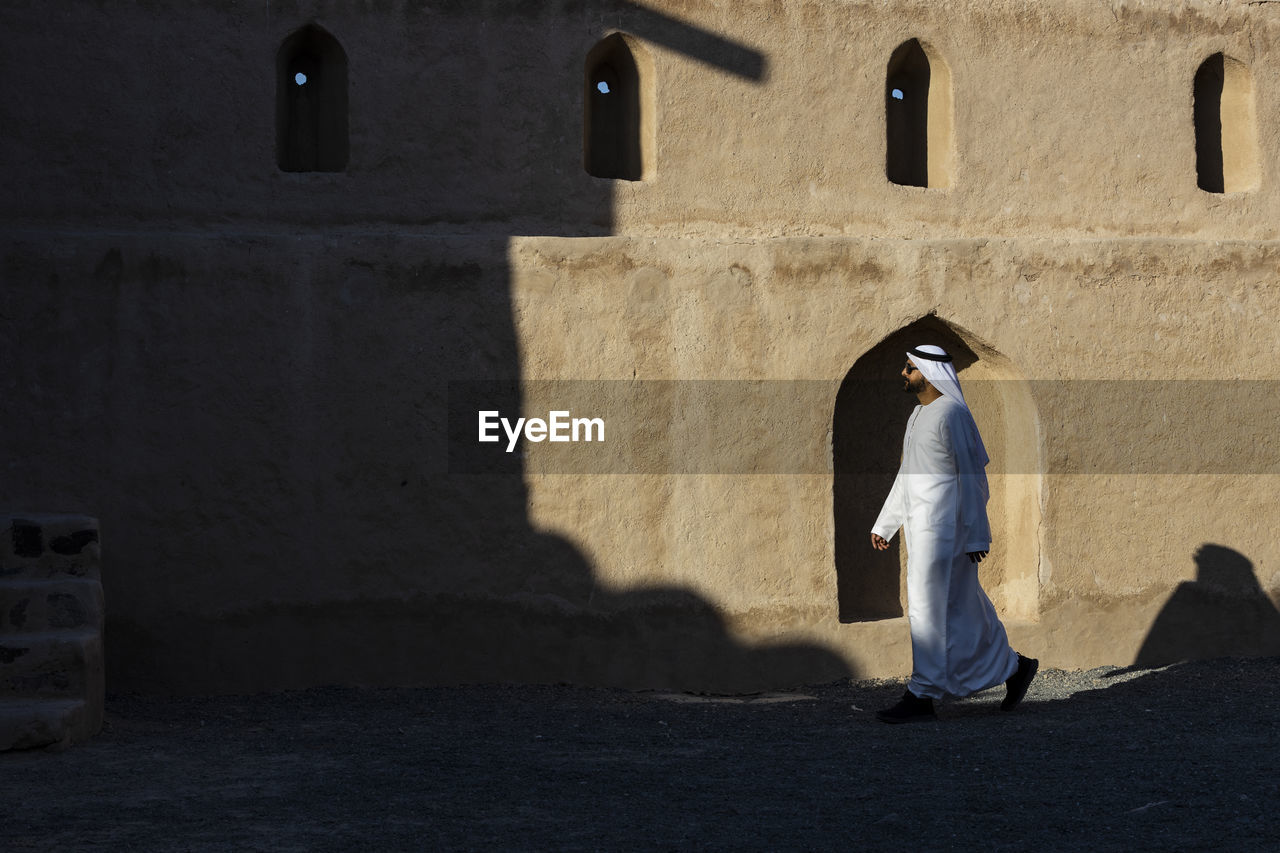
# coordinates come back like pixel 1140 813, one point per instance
pixel 618 110
pixel 311 103
pixel 917 111
pixel 1225 126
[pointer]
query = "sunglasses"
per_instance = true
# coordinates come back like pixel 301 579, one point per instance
pixel 909 367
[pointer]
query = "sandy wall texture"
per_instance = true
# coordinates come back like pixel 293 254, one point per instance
pixel 265 384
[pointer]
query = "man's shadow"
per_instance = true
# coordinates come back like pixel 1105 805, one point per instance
pixel 1224 612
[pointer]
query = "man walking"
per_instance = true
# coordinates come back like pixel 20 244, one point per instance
pixel 939 498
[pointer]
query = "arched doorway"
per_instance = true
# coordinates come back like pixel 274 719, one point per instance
pixel 870 415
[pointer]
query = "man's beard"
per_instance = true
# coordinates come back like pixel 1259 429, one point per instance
pixel 914 385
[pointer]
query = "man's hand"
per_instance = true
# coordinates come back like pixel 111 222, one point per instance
pixel 879 543
pixel 976 556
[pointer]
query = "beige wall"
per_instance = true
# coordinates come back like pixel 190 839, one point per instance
pixel 246 375
pixel 1131 488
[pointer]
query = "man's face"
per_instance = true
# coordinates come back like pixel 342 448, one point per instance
pixel 913 380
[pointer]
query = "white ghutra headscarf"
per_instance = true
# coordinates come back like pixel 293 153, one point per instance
pixel 938 368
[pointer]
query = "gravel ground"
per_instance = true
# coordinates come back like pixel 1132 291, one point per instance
pixel 1179 758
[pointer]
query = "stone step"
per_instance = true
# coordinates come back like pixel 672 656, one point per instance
pixel 36 546
pixel 32 605
pixel 31 723
pixel 64 664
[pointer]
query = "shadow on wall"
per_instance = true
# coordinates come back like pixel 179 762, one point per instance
pixel 271 414
pixel 553 622
pixel 1224 612
pixel 654 637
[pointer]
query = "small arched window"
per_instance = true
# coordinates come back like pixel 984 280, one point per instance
pixel 917 111
pixel 311 103
pixel 1225 126
pixel 617 118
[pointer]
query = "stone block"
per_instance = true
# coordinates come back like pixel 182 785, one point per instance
pixel 32 723
pixel 45 546
pixel 52 686
pixel 60 664
pixel 49 604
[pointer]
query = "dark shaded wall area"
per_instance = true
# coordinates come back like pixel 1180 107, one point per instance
pixel 243 371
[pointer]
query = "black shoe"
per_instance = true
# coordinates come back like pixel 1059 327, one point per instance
pixel 910 709
pixel 1019 682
